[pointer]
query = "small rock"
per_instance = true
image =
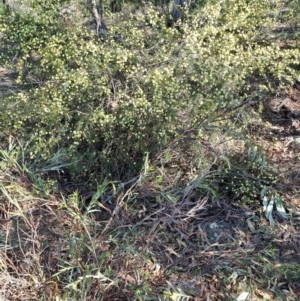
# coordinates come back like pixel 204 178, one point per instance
pixel 297 142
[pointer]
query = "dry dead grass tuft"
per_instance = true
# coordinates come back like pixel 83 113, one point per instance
pixel 25 239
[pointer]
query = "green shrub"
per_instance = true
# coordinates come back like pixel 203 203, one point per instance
pixel 121 98
pixel 250 179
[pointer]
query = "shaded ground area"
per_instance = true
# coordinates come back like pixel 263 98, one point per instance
pixel 7 85
pixel 197 248
pixel 282 142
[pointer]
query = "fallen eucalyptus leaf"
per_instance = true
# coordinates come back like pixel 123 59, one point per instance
pixel 280 209
pixel 243 296
pixel 269 210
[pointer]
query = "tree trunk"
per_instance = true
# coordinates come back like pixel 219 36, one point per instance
pixel 97 17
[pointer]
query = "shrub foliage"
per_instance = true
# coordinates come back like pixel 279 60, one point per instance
pixel 113 100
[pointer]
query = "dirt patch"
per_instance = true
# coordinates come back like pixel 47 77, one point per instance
pixel 7 82
pixel 282 147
